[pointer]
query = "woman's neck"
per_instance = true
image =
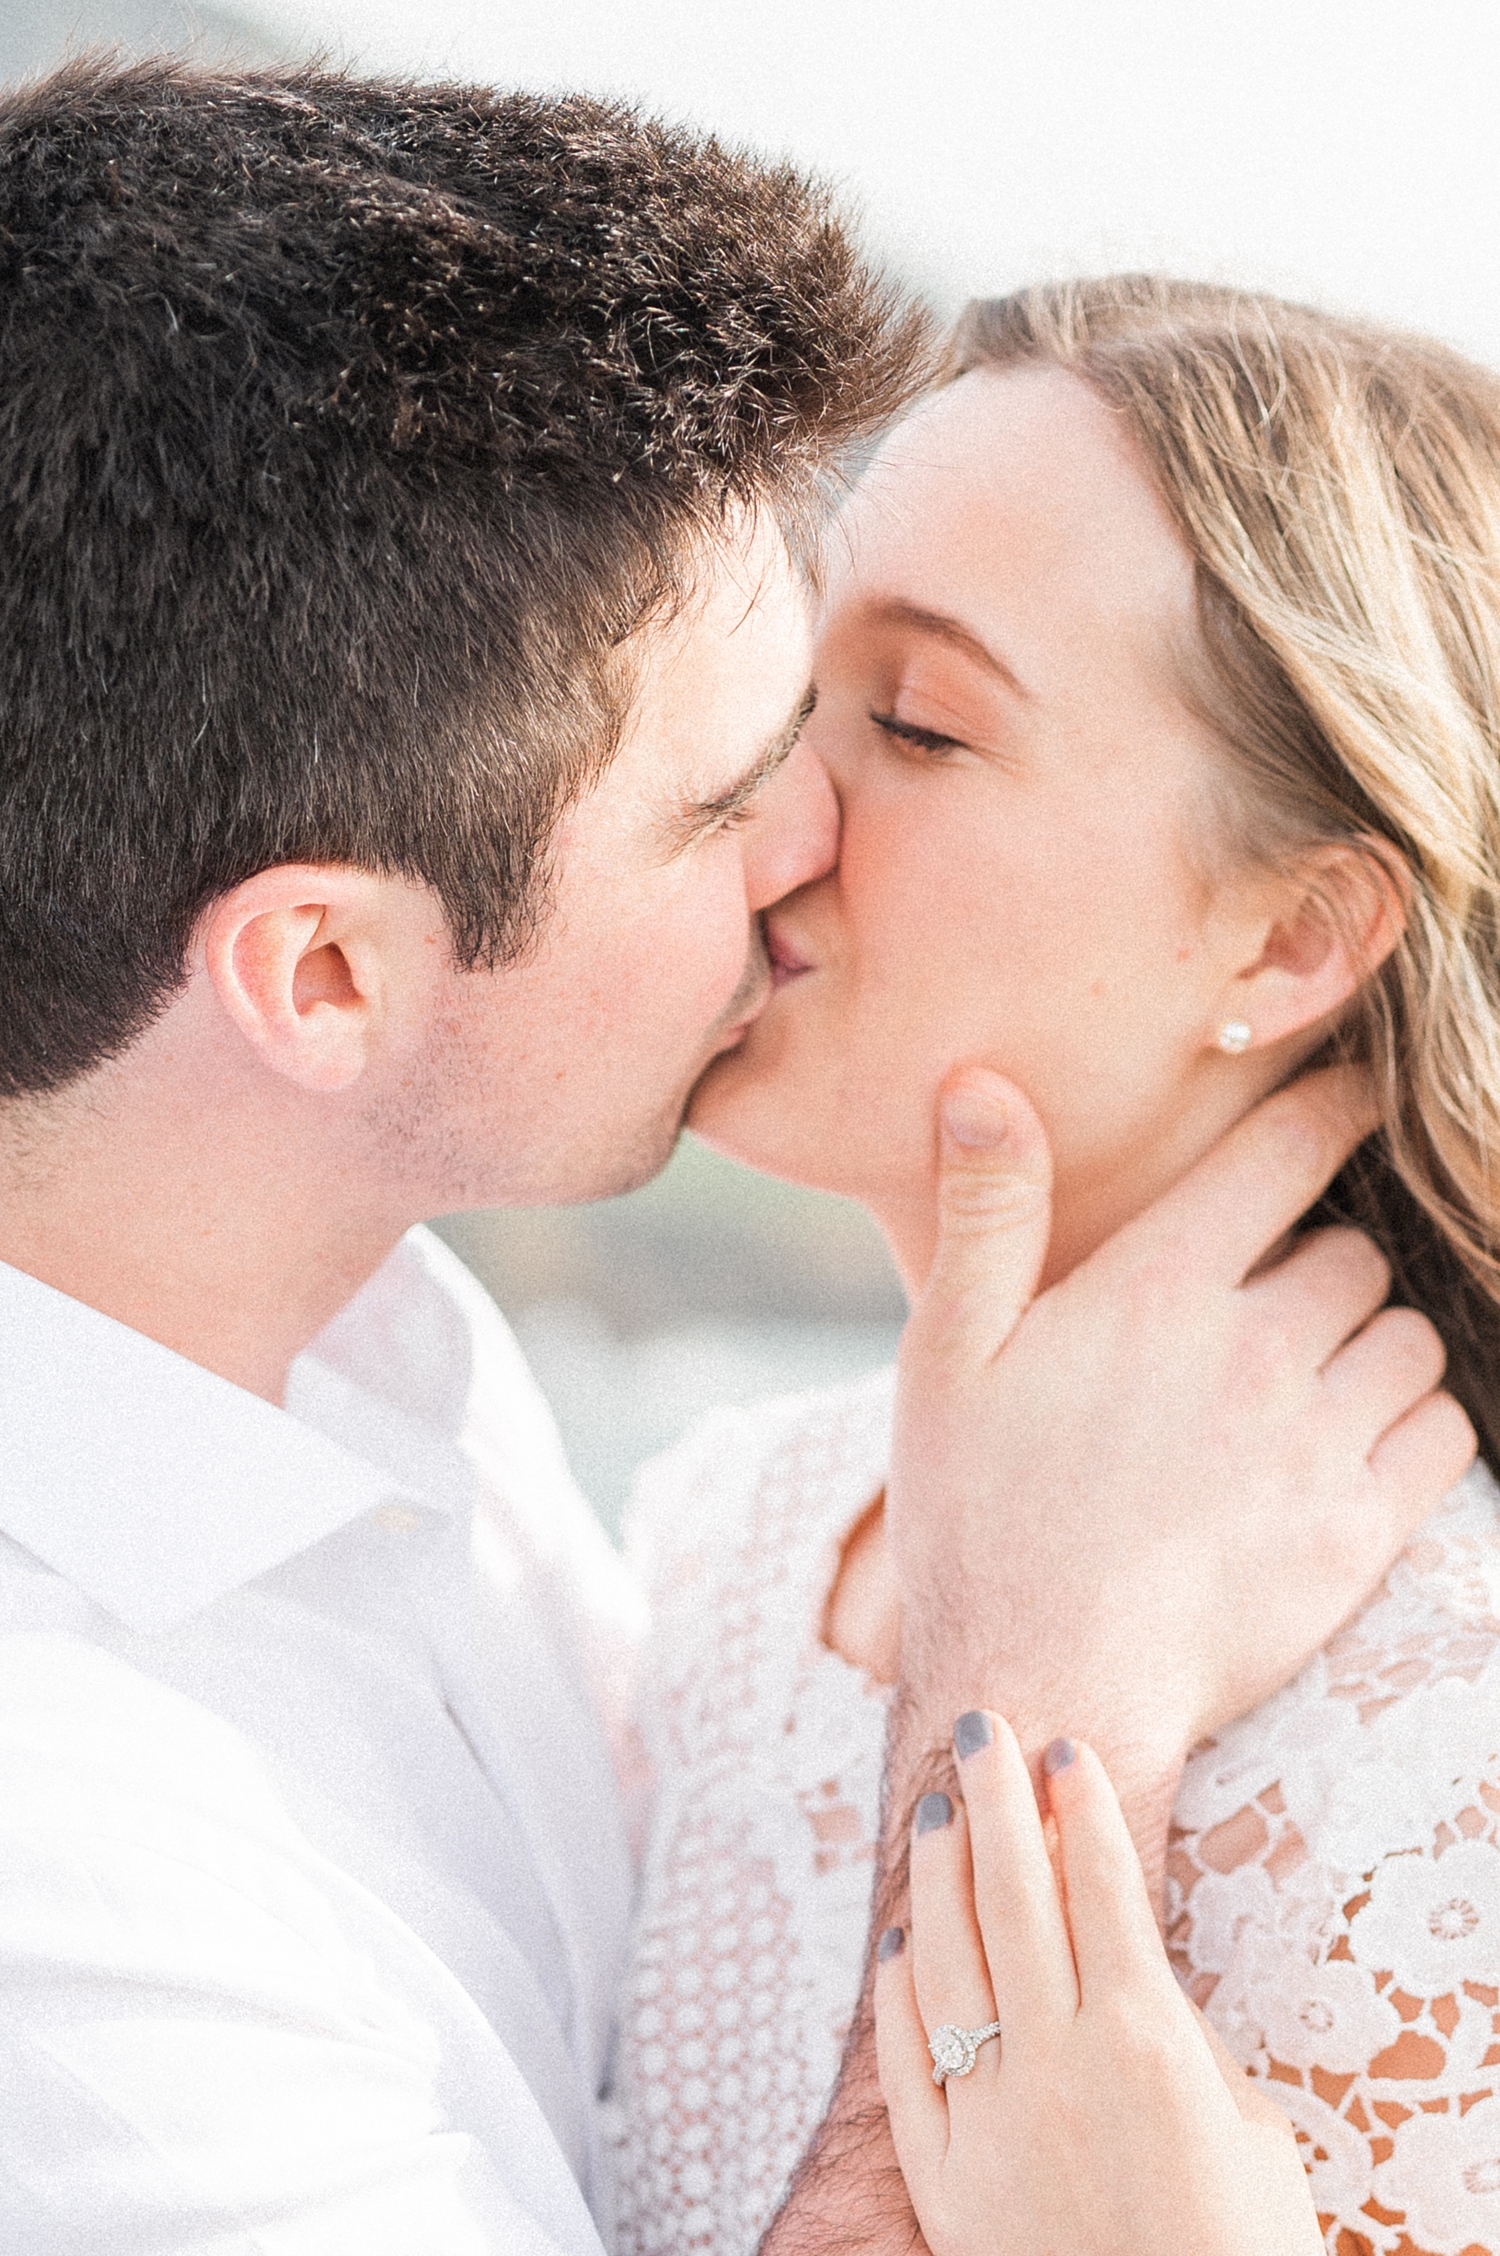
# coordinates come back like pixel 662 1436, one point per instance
pixel 1096 1194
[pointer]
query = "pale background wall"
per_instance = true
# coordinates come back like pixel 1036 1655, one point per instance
pixel 1340 151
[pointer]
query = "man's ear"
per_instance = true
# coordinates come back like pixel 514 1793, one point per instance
pixel 297 957
pixel 1322 932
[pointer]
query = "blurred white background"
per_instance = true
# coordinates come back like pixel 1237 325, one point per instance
pixel 1341 150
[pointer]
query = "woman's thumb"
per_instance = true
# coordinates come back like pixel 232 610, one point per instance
pixel 994 1214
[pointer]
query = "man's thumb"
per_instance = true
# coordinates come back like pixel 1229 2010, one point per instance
pixel 994 1214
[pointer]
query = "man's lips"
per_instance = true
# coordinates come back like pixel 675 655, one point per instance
pixel 775 965
pixel 740 1025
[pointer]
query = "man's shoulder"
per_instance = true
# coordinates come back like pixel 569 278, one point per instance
pixel 144 1836
pixel 130 1812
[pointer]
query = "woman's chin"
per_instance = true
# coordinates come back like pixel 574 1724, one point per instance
pixel 744 1111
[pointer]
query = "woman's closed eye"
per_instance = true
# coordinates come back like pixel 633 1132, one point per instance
pixel 921 739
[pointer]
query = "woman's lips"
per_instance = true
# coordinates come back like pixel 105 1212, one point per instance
pixel 786 961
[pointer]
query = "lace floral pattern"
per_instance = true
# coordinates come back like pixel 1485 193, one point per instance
pixel 1334 1885
pixel 767 1752
pixel 1334 1899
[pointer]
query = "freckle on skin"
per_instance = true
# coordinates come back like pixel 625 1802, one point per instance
pixel 1097 988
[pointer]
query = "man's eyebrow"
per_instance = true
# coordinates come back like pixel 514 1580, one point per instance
pixel 702 814
pixel 937 624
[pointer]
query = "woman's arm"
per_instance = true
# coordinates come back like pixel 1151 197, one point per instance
pixel 1104 2120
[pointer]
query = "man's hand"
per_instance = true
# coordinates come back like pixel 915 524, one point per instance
pixel 1128 1509
pixel 1133 1507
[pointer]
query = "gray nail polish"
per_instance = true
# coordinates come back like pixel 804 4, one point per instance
pixel 891 1944
pixel 1058 1756
pixel 933 1812
pixel 971 1732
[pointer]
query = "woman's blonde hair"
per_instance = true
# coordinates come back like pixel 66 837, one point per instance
pixel 1339 487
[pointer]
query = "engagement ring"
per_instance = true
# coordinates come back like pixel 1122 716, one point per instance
pixel 954 2051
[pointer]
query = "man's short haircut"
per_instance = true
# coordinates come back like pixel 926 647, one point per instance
pixel 347 430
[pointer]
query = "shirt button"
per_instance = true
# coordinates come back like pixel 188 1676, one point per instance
pixel 399 1518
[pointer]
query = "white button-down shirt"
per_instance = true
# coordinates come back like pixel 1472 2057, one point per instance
pixel 313 1870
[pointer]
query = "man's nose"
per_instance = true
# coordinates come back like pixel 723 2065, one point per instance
pixel 794 838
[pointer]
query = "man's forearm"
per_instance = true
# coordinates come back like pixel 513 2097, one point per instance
pixel 848 2193
pixel 1142 1749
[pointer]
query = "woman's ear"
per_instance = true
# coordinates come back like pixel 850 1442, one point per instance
pixel 1322 931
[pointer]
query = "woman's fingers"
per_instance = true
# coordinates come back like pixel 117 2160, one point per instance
pixel 915 2104
pixel 1115 1939
pixel 1015 1891
pixel 1123 2124
pixel 948 1964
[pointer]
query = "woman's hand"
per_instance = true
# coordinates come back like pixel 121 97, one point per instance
pixel 1106 2120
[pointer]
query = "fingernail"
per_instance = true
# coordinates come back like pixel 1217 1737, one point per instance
pixel 1058 1757
pixel 933 1812
pixel 971 1732
pixel 891 1944
pixel 974 1118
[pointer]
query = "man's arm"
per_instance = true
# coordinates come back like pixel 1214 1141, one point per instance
pixel 1130 1509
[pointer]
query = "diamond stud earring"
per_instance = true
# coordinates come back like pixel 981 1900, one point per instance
pixel 1235 1035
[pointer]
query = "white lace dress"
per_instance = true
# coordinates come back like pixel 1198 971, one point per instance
pixel 1335 1871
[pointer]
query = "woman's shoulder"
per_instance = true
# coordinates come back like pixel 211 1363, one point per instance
pixel 746 1483
pixel 1409 1683
pixel 1334 1894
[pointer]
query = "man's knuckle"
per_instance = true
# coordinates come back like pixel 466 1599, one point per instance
pixel 1346 1262
pixel 1368 1262
pixel 1439 1444
pixel 1153 1292
pixel 1410 1345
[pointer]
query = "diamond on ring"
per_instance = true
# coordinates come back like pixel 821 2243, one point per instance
pixel 954 2051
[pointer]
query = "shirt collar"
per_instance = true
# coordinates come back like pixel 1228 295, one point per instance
pixel 151 1484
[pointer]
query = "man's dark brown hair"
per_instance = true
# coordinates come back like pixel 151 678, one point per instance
pixel 346 432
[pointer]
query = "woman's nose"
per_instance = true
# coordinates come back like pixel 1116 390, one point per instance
pixel 794 837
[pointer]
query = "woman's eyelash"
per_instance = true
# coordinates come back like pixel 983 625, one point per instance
pixel 927 740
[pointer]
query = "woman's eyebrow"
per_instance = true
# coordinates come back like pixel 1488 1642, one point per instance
pixel 895 611
pixel 702 814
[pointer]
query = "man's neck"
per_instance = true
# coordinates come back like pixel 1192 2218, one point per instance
pixel 196 1207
